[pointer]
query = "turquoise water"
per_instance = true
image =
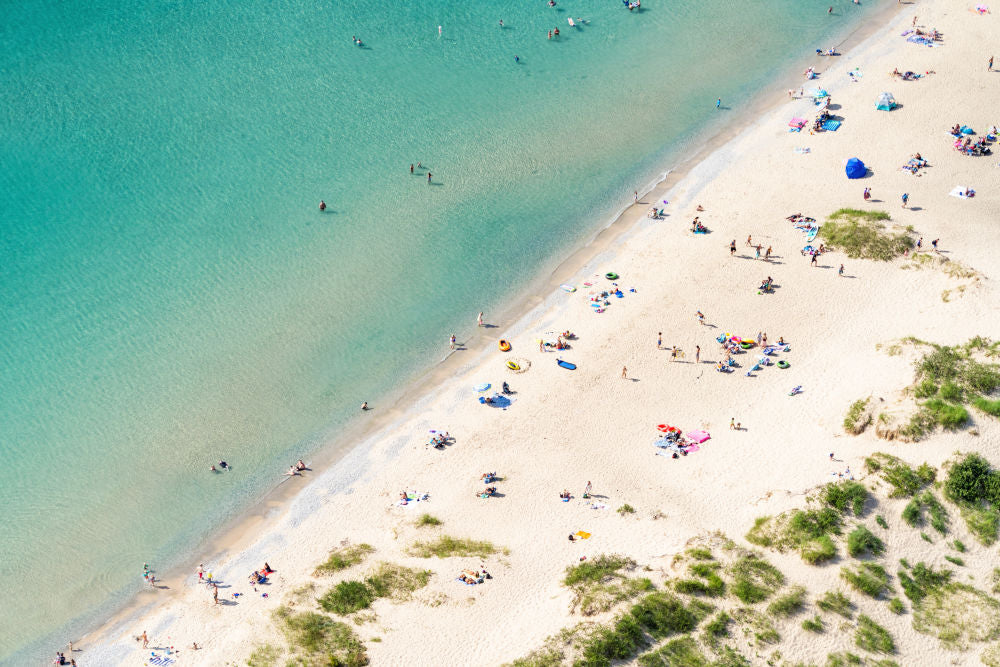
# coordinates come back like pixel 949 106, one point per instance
pixel 170 294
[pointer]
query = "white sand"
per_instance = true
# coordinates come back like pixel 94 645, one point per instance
pixel 566 428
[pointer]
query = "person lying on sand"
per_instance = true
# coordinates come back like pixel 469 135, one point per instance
pixel 292 471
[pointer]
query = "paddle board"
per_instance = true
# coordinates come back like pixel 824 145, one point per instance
pixel 568 288
pixel 566 365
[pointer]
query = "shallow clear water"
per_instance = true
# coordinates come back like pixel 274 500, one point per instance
pixel 170 295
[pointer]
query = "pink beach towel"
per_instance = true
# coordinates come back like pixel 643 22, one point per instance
pixel 698 436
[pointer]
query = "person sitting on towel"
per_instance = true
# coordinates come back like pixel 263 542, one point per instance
pixel 564 494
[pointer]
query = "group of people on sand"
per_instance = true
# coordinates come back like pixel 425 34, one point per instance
pixel 979 147
pixel 439 440
pixel 296 468
pixel 473 577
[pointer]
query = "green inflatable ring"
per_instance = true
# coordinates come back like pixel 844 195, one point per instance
pixel 782 364
pixel 746 346
pixel 611 275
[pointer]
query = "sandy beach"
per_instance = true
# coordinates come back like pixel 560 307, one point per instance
pixel 560 429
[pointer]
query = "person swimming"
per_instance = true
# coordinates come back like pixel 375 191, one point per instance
pixel 223 465
pixel 322 205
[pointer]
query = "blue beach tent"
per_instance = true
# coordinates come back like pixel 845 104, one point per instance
pixel 885 102
pixel 856 168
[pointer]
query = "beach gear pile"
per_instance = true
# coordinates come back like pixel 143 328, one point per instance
pixel 413 497
pixel 673 443
pixel 964 143
pixel 805 224
pixel 736 345
pixel 918 36
pixel 600 301
pixel 914 165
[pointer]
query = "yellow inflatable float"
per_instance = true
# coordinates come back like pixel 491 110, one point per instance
pixel 504 346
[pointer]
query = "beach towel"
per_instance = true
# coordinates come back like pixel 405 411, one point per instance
pixel 582 535
pixel 830 125
pixel 161 660
pixel 598 506
pixel 698 436
pixel 962 192
pixel 797 122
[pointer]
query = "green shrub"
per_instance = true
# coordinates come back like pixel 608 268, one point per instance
pixel 446 547
pixel 861 541
pixel 713 585
pixel 345 557
pixel 788 604
pixel 837 603
pixel 700 553
pixel 754 579
pixel 347 597
pixel 857 418
pixel 951 392
pixel 597 569
pixel 717 628
pixel 618 642
pixel 948 415
pixel 428 520
pixel 683 652
pixel 982 522
pixel 872 637
pixel 814 624
pixel 819 550
pixel 880 520
pixel 626 509
pixel 600 584
pixel 969 480
pixel 662 615
pixel 905 481
pixel 991 408
pixel 958 546
pixel 922 581
pixel 869 578
pixel 847 493
pixel 925 389
pixel 896 606
pixel 913 513
pixel 955 559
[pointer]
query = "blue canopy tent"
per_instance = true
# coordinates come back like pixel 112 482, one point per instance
pixel 856 168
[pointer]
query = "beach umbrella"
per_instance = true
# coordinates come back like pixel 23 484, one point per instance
pixel 855 168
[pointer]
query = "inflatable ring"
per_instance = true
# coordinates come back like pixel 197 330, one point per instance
pixel 504 346
pixel 513 365
pixel 611 275
pixel 662 428
pixel 746 346
pixel 782 364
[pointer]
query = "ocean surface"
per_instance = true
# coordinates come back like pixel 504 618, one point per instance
pixel 170 294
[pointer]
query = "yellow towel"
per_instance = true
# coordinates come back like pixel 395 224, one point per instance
pixel 582 535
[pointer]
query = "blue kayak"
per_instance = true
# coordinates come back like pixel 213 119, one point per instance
pixel 566 365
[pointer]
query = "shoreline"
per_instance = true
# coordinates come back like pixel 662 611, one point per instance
pixel 533 302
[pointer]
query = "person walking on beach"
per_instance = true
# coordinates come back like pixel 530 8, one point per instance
pixel 145 640
pixel 428 178
pixel 840 271
pixel 906 198
pixel 659 340
pixel 697 354
pixel 750 239
pixel 815 259
pixel 624 372
pixel 718 103
pixel 479 320
pixel 201 573
pixel 868 194
pixel 215 593
pixel 934 244
pixel 451 341
pixel 701 317
pixel 732 248
pixel 758 252
pixel 732 423
pixel 635 196
pixel 989 65
pixel 767 255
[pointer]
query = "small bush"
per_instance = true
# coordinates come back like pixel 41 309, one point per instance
pixel 662 615
pixel 428 520
pixel 858 418
pixel 819 550
pixel 814 624
pixel 956 560
pixel 788 604
pixel 700 553
pixel 896 606
pixel 869 578
pixel 846 494
pixel 345 557
pixel 958 546
pixel 922 580
pixel 717 628
pixel 982 522
pixel 880 520
pixel 969 480
pixel 447 547
pixel 754 579
pixel 626 509
pixel 597 569
pixel 913 513
pixel 600 584
pixel 951 392
pixel 948 415
pixel 925 389
pixel 347 597
pixel 905 481
pixel 861 541
pixel 991 408
pixel 683 652
pixel 713 585
pixel 618 642
pixel 837 603
pixel 872 637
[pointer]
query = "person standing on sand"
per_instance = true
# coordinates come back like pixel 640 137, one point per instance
pixel 758 252
pixel 215 593
pixel 815 259
pixel 840 271
pixel 701 317
pixel 906 198
pixel 732 423
pixel 989 65
pixel 697 354
pixel 624 372
pixel 428 178
pixel 635 196
pixel 868 194
pixel 767 255
pixel 659 340
pixel 451 341
pixel 732 248
pixel 411 167
pixel 479 320
pixel 749 239
pixel 201 573
pixel 145 640
pixel 934 244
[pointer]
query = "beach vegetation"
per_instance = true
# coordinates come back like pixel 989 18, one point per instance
pixel 730 657
pixel 448 547
pixel 988 406
pixel 861 541
pixel 662 615
pixel 619 641
pixel 843 659
pixel 626 509
pixel 858 417
pixel 957 615
pixel 844 495
pixel 913 513
pixel 814 624
pixel 922 580
pixel 880 520
pixel 754 579
pixel 716 629
pixel 681 652
pixel 995 579
pixel 700 553
pixel 602 582
pixel 958 546
pixel 264 656
pixel 896 606
pixel 386 581
pixel 955 559
pixel 905 563
pixel 789 603
pixel 872 637
pixel 982 522
pixel 991 656
pixel 343 558
pixel 862 234
pixel 426 520
pixel 837 603
pixel 316 640
pixel 757 625
pixel 819 550
pixel 347 597
pixel 868 578
pixel 904 480
pixel 975 486
pixel 710 583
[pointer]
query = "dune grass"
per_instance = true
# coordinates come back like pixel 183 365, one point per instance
pixel 896 606
pixel 922 580
pixel 913 513
pixel 754 579
pixel 862 541
pixel 427 520
pixel 343 558
pixel 837 603
pixel 861 234
pixel 904 480
pixel 602 582
pixel 717 629
pixel 317 640
pixel 789 603
pixel 264 656
pixel 872 637
pixel 387 581
pixel 814 624
pixel 868 578
pixel 710 583
pixel 958 615
pixel 682 652
pixel 448 547
pixel 819 550
pixel 858 417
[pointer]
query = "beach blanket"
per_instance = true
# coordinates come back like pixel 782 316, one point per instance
pixel 161 660
pixel 830 125
pixel 583 535
pixel 962 192
pixel 797 122
pixel 413 498
pixel 698 436
pixel 598 506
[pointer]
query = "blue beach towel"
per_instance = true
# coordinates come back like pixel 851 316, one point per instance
pixel 831 125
